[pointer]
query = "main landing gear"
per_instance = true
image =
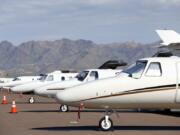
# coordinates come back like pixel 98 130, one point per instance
pixel 64 108
pixel 105 123
pixel 31 100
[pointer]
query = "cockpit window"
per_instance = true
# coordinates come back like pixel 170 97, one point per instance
pixel 50 78
pixel 82 75
pixel 16 79
pixel 154 69
pixel 136 70
pixel 94 74
pixel 43 77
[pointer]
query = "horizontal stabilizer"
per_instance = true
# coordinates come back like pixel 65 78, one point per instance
pixel 112 64
pixel 169 37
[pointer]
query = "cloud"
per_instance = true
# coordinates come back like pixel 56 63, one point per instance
pixel 100 2
pixel 169 1
pixel 99 20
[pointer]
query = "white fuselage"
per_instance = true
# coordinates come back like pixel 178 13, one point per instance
pixel 49 79
pixel 5 80
pixel 19 81
pixel 82 77
pixel 153 85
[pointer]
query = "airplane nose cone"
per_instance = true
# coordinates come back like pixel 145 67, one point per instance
pixel 21 88
pixel 38 91
pixel 1 85
pixel 41 92
pixel 62 97
pixel 15 89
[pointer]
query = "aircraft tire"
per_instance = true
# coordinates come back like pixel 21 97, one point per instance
pixel 105 125
pixel 31 100
pixel 64 108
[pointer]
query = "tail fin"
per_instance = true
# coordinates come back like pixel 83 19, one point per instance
pixel 112 64
pixel 169 37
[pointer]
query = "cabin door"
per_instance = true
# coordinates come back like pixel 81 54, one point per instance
pixel 177 96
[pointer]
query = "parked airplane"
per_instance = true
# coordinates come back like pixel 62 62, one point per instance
pixel 19 81
pixel 56 76
pixel 5 80
pixel 149 83
pixel 83 77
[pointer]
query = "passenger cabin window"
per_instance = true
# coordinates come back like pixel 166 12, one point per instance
pixel 94 75
pixel 154 69
pixel 62 78
pixel 50 78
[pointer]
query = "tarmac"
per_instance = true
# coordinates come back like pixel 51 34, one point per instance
pixel 43 118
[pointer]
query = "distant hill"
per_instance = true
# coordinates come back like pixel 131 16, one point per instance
pixel 36 57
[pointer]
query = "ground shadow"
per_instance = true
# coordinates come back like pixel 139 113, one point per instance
pixel 26 102
pixel 76 110
pixel 40 111
pixel 96 128
pixel 174 114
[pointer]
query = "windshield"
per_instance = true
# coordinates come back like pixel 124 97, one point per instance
pixel 43 77
pixel 82 75
pixel 16 79
pixel 136 70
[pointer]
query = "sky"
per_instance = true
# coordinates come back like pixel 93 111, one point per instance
pixel 102 21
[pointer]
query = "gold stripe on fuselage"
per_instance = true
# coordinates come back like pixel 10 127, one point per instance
pixel 136 91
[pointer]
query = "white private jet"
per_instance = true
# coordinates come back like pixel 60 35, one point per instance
pixel 56 76
pixel 149 83
pixel 5 80
pixel 83 77
pixel 19 81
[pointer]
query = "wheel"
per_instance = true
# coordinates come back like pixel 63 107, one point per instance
pixel 64 108
pixel 31 100
pixel 105 124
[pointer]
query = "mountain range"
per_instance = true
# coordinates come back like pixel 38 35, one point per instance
pixel 35 57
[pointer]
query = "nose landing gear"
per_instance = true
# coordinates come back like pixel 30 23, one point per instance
pixel 105 123
pixel 64 108
pixel 31 100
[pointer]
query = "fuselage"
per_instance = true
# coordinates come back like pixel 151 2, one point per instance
pixel 50 78
pixel 82 77
pixel 150 83
pixel 5 80
pixel 19 81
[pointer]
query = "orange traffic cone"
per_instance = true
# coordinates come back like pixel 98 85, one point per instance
pixel 4 101
pixel 13 107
